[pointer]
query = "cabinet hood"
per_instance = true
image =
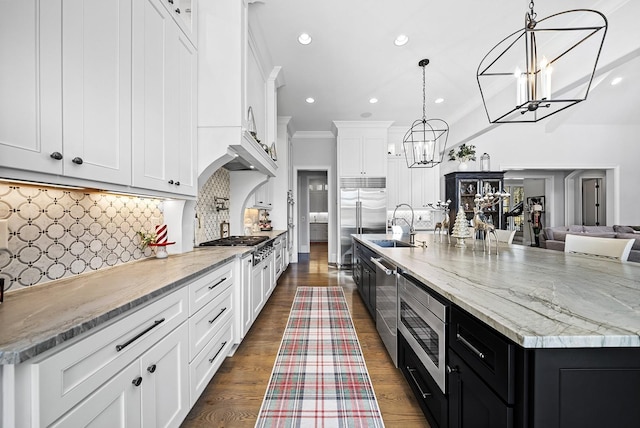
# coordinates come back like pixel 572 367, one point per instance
pixel 249 155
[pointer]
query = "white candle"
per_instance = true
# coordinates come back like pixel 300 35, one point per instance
pixel 545 71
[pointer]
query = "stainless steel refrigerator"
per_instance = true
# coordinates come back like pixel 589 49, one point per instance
pixel 363 209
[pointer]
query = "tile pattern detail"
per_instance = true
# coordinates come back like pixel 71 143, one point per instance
pixel 56 233
pixel 208 219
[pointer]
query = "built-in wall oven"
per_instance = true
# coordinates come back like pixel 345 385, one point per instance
pixel 423 318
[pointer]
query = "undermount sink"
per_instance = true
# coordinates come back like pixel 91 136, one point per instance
pixel 392 243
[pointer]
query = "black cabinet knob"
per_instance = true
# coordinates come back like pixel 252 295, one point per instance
pixel 178 11
pixel 177 183
pixel 170 181
pixel 151 368
pixel 137 381
pixel 77 160
pixel 171 1
pixel 56 155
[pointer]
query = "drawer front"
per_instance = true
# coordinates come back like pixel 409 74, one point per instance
pixel 207 287
pixel 486 351
pixel 207 362
pixel 65 378
pixel 208 321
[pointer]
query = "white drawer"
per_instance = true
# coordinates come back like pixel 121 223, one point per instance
pixel 207 362
pixel 208 321
pixel 65 378
pixel 207 287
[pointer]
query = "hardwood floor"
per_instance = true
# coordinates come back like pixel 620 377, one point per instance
pixel 234 395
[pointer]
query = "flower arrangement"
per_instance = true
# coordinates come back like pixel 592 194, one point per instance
pixel 146 238
pixel 464 153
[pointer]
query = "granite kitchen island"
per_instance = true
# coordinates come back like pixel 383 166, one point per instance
pixel 555 337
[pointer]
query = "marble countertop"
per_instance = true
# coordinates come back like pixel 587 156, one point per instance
pixel 536 297
pixel 36 319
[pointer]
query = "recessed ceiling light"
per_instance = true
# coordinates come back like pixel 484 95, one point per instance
pixel 616 81
pixel 304 39
pixel 439 100
pixel 373 100
pixel 401 40
pixel 310 100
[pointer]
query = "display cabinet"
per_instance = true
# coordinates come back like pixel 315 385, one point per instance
pixel 461 188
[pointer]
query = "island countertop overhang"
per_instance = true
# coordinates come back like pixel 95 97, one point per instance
pixel 538 298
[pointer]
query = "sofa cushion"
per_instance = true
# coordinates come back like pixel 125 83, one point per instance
pixel 622 229
pixel 549 232
pixel 599 234
pixel 598 229
pixel 577 228
pixel 636 243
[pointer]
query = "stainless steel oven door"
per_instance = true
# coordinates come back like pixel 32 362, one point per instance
pixel 423 330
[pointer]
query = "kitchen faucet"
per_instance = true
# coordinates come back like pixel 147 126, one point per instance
pixel 412 231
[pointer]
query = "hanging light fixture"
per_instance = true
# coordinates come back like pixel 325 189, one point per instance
pixel 516 76
pixel 425 142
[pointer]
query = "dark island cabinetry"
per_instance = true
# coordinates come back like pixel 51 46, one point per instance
pixel 364 275
pixel 461 188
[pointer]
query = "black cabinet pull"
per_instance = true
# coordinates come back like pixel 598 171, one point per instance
pixel 56 155
pixel 151 368
pixel 424 394
pixel 137 381
pixel 178 10
pixel 139 335
pixel 170 181
pixel 217 316
pixel 177 183
pixel 171 1
pixel 219 350
pixel 77 160
pixel 265 267
pixel 472 348
pixel 211 287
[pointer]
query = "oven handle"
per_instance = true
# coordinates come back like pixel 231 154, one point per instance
pixel 424 394
pixel 386 270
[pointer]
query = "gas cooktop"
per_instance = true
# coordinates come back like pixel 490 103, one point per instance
pixel 231 241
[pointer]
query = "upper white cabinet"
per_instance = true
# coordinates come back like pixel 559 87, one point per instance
pixel 414 186
pixel 263 195
pixel 96 89
pixel 164 121
pixel 362 149
pixel 77 75
pixel 65 89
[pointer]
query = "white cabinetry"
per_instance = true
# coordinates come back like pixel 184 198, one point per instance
pixel 362 149
pixel 211 311
pixel 262 196
pixel 164 120
pixel 262 284
pixel 96 90
pixel 244 306
pixel 65 89
pixel 414 186
pixel 100 91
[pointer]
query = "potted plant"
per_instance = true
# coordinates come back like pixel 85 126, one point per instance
pixel 463 154
pixel 146 239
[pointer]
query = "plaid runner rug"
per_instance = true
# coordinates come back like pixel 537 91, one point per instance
pixel 320 378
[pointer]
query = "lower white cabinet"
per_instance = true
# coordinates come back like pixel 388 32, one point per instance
pixel 262 284
pixel 244 312
pixel 116 404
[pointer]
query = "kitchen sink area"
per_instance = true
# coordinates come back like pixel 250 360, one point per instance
pixel 392 243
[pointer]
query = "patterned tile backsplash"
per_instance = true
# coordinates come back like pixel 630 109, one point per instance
pixel 55 232
pixel 209 218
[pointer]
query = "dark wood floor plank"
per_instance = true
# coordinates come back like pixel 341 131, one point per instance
pixel 234 395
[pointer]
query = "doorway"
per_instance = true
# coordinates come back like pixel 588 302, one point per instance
pixel 313 214
pixel 593 210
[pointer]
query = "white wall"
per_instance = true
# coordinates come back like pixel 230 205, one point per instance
pixel 316 151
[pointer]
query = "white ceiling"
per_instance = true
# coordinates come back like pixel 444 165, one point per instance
pixel 352 57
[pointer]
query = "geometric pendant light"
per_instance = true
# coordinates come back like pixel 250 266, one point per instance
pixel 542 69
pixel 425 142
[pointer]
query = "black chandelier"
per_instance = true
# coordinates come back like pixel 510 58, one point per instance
pixel 518 88
pixel 425 142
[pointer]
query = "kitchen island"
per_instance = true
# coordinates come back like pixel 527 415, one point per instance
pixel 554 338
